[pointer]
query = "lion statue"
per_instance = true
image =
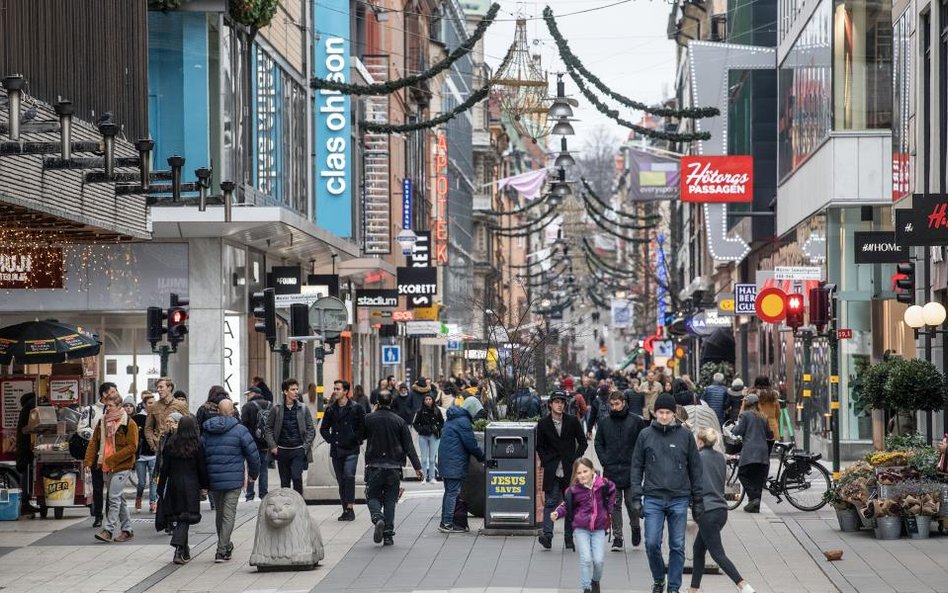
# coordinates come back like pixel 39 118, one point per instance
pixel 287 537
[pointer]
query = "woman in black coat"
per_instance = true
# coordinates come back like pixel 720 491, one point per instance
pixel 182 475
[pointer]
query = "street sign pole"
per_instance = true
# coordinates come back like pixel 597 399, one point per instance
pixel 807 336
pixel 285 357
pixel 164 352
pixel 834 385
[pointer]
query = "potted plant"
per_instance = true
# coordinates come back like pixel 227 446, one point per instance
pixel 849 493
pixel 918 502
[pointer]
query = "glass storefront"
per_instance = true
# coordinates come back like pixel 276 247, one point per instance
pixel 804 83
pixel 862 64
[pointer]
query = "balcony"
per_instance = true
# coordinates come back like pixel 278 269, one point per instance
pixel 482 202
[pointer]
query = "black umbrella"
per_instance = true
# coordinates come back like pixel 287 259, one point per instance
pixel 44 342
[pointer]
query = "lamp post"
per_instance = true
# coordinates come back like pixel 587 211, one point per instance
pixel 933 315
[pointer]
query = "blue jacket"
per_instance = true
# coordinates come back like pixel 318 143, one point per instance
pixel 227 446
pixel 457 445
pixel 716 397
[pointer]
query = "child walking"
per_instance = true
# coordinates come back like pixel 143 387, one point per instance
pixel 588 503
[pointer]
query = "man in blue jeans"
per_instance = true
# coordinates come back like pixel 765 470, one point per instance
pixel 454 455
pixel 666 470
pixel 250 417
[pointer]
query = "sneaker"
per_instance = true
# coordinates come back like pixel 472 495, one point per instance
pixel 97 522
pixel 459 529
pixel 636 536
pixel 219 557
pixel 545 541
pixel 617 544
pixel 753 506
pixel 379 530
pixel 228 553
pixel 445 528
pixel 104 536
pixel 658 587
pixel 138 504
pixel 594 587
pixel 388 541
pixel 568 543
pixel 249 497
pixel 347 515
pixel 746 589
pixel 124 536
pixel 186 554
pixel 179 556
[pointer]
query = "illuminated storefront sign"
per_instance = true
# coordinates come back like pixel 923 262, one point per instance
pixel 333 119
pixel 440 161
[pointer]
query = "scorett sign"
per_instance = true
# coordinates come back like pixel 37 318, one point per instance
pixel 716 179
pixel 417 281
pixel 878 247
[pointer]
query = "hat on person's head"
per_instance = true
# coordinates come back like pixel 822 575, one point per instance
pixel 421 386
pixel 176 416
pixel 751 399
pixel 666 401
pixel 737 387
pixel 559 395
pixel 128 401
pixel 251 391
pixel 568 383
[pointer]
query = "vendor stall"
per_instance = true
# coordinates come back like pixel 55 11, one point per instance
pixel 58 476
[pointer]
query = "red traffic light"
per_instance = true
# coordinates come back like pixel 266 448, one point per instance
pixel 178 316
pixel 795 308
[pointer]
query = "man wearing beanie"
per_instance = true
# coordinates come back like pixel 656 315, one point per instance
pixel 666 476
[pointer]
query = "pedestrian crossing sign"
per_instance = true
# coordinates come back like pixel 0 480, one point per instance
pixel 391 355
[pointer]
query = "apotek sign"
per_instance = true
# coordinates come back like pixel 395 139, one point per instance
pixel 333 115
pixel 716 179
pixel 440 191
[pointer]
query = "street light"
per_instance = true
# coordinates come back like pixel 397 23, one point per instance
pixel 932 314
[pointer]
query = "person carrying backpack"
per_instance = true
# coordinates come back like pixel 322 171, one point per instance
pixel 254 416
pixel 587 507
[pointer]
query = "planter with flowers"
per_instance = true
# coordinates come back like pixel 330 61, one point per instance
pixel 850 493
pixel 919 501
pixel 886 513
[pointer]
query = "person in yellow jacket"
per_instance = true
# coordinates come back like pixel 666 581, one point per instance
pixel 112 448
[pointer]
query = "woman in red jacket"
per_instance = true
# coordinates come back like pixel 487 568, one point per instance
pixel 588 504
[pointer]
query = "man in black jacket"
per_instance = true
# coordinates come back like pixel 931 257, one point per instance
pixel 343 427
pixel 387 444
pixel 560 442
pixel 250 417
pixel 615 441
pixel 290 432
pixel 666 469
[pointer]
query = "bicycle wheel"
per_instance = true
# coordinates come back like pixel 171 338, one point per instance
pixel 733 489
pixel 806 488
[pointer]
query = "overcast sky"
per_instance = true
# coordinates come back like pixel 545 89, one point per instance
pixel 625 45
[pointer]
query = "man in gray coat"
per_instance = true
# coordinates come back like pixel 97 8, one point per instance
pixel 290 432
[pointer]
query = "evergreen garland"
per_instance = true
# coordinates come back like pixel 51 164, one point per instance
pixel 570 59
pixel 591 253
pixel 527 234
pixel 592 194
pixel 613 232
pixel 390 86
pixel 631 227
pixel 378 128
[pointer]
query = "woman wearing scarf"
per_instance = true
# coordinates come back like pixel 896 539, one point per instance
pixel 112 448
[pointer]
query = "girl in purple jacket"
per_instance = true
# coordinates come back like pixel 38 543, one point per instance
pixel 588 503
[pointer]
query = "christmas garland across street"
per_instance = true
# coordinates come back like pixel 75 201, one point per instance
pixel 570 59
pixel 390 86
pixel 631 227
pixel 475 98
pixel 592 194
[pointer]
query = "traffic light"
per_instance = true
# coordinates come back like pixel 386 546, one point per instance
pixel 264 309
pixel 819 307
pixel 299 320
pixel 177 320
pixel 156 328
pixel 905 283
pixel 795 309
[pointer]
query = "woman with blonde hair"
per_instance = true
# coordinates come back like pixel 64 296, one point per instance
pixel 710 524
pixel 588 503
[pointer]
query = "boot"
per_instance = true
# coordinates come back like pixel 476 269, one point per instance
pixel 595 586
pixel 753 506
pixel 138 504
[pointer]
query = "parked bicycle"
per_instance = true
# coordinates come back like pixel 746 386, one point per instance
pixel 801 478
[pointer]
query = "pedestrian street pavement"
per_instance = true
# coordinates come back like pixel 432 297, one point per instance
pixel 777 551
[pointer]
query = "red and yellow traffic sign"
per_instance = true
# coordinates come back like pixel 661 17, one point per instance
pixel 771 305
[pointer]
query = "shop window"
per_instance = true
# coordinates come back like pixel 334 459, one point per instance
pixel 862 65
pixel 179 71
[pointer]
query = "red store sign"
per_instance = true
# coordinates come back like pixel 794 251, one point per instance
pixel 717 179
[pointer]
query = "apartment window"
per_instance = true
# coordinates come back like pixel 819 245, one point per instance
pixel 862 65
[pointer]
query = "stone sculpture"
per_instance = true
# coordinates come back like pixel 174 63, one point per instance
pixel 286 537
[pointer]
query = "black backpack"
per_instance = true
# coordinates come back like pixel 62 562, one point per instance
pixel 263 415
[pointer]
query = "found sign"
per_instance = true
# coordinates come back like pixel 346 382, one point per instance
pixel 507 484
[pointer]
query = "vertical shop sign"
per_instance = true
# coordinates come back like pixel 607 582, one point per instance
pixel 406 203
pixel 420 258
pixel 333 114
pixel 440 192
pixel 233 382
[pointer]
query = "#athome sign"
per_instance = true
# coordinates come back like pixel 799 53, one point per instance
pixel 717 179
pixel 878 247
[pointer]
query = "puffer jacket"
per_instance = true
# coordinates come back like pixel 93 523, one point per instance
pixel 457 445
pixel 615 441
pixel 228 445
pixel 429 422
pixel 588 510
pixel 665 463
pixel 716 397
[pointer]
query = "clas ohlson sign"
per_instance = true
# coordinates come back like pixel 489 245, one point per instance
pixel 333 114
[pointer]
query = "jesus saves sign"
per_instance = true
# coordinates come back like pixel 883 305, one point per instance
pixel 714 179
